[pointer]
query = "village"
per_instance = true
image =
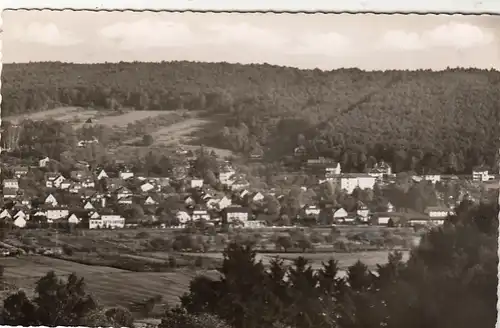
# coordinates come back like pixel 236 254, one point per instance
pixel 118 197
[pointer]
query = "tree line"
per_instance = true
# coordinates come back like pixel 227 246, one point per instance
pixel 423 121
pixel 450 280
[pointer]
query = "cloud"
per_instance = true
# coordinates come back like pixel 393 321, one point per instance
pixel 48 34
pixel 149 34
pixel 325 44
pixel 454 35
pixel 245 34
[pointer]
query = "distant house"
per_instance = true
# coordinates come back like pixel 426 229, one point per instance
pixel 74 219
pixel 235 214
pixel 432 177
pixel 57 213
pixel 5 214
pixel 86 142
pixel 51 200
pixel 183 217
pixel 53 180
pixel 9 193
pixel 11 184
pixel 362 210
pixel 340 214
pixel 240 184
pixel 20 171
pixel 88 183
pixel 226 176
pixel 20 222
pixel 123 192
pixel 43 162
pixel 349 182
pixel 311 210
pixel 107 221
pixel 89 206
pixel 126 200
pixel 200 214
pixel 380 169
pixel 150 201
pixel 102 175
pixel 145 187
pixel 437 212
pixel 196 183
pixel 257 197
pixel 481 174
pixel 300 151
pixel 126 174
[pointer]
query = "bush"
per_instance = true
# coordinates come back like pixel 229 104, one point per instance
pixel 142 235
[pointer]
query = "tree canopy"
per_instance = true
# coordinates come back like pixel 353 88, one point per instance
pixel 422 121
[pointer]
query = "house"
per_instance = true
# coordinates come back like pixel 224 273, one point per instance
pixel 432 177
pixel 5 214
pixel 123 192
pixel 150 201
pixel 53 180
pixel 125 174
pixel 235 214
pixel 43 162
pixel 300 151
pixel 340 214
pixel 75 188
pixel 94 215
pixel 20 222
pixel 74 219
pixel 390 207
pixel 21 214
pixel 257 197
pixel 183 217
pixel 9 193
pixel 102 175
pixel 254 224
pixel 88 183
pixel 349 182
pixel 362 210
pixel 20 171
pixel 311 210
pixel 65 185
pixel 107 221
pixel 380 169
pixel 240 184
pixel 324 165
pixel 86 142
pixel 437 212
pixel 189 200
pixel 56 213
pixel 386 218
pixel 126 200
pixel 11 184
pixel 200 214
pixel 226 177
pixel 51 200
pixel 481 174
pixel 78 175
pixel 88 206
pixel 147 187
pixel 196 183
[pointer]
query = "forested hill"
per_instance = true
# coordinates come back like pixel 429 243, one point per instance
pixel 418 120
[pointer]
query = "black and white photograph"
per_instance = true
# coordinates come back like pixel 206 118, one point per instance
pixel 249 170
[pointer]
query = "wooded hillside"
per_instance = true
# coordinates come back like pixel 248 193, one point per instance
pixel 417 120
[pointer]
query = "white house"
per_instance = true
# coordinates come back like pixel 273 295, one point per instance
pixel 311 210
pixel 340 214
pixel 11 184
pixel 390 207
pixel 200 215
pixel 150 201
pixel 51 200
pixel 332 170
pixel 107 221
pixel 236 214
pixel 54 180
pixel 73 219
pixel 362 210
pixel 123 193
pixel 5 214
pixel 437 212
pixel 257 197
pixel 20 222
pixel 65 185
pixel 182 216
pixel 102 175
pixel 147 187
pixel 43 162
pixel 125 175
pixel 88 183
pixel 196 183
pixel 253 224
pixel 349 182
pixel 21 214
pixel 432 177
pixel 57 213
pixel 226 177
pixel 481 175
pixel 125 200
pixel 89 206
pixel 75 188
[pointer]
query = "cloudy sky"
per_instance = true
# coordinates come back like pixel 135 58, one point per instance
pixel 306 41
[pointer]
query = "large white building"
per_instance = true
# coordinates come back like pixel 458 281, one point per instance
pixel 107 221
pixel 349 182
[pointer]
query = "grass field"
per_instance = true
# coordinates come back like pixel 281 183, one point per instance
pixel 124 119
pixel 65 113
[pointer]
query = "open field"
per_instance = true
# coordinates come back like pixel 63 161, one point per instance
pixel 124 119
pixel 60 113
pixel 179 132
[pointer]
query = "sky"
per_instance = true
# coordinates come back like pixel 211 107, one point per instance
pixel 324 41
